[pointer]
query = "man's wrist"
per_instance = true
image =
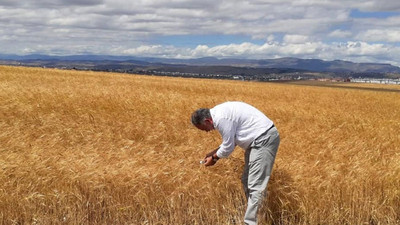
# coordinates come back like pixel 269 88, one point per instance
pixel 214 157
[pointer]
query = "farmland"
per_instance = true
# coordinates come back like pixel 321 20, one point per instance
pixel 106 148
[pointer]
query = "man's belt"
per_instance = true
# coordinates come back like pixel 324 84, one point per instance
pixel 265 132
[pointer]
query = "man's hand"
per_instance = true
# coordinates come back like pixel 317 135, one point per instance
pixel 209 161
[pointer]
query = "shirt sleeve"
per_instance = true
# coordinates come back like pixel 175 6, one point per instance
pixel 227 129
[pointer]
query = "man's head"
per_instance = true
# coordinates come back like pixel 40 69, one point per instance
pixel 202 119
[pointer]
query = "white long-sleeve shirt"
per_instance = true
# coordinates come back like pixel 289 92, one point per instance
pixel 239 124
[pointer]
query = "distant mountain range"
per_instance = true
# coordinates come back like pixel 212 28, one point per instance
pixel 291 64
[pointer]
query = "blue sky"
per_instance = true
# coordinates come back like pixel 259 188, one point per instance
pixel 354 30
pixel 356 13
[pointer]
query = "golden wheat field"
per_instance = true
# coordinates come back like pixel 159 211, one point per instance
pixel 106 148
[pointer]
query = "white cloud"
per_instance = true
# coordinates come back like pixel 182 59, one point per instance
pixel 363 48
pixel 340 34
pixel 270 38
pixel 295 39
pixel 380 35
pixel 379 5
pixel 157 51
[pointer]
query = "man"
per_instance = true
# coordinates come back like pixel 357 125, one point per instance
pixel 244 125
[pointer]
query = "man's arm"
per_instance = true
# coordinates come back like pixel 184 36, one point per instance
pixel 227 129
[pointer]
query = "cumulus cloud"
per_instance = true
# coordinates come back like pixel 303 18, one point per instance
pixel 340 34
pixel 158 51
pixel 301 28
pixel 380 35
pixel 295 39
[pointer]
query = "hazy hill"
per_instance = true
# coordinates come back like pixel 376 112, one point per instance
pixel 313 65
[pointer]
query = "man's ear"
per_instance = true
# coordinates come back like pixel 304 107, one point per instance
pixel 208 120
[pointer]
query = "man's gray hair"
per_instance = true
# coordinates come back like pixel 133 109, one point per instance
pixel 200 115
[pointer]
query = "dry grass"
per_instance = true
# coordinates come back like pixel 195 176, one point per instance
pixel 102 148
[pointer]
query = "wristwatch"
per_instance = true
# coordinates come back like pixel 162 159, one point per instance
pixel 214 158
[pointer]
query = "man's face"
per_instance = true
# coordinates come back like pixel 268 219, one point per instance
pixel 207 125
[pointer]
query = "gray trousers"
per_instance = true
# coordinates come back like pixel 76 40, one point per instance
pixel 259 159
